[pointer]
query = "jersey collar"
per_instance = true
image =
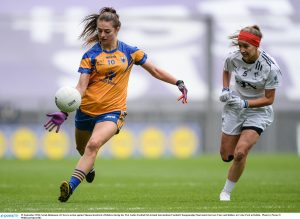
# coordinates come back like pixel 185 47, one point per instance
pixel 110 51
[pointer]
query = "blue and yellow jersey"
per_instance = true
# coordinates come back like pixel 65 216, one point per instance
pixel 109 74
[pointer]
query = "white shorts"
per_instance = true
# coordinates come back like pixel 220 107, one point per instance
pixel 234 120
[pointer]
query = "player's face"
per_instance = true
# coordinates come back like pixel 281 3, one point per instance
pixel 107 34
pixel 249 52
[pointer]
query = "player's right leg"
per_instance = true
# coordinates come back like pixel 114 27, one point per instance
pixel 82 137
pixel 84 127
pixel 228 144
pixel 102 132
pixel 231 129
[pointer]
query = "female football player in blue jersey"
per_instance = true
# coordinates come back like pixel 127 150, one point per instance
pixel 104 74
pixel 248 102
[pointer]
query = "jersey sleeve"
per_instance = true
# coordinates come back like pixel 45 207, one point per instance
pixel 227 64
pixel 139 57
pixel 274 79
pixel 85 64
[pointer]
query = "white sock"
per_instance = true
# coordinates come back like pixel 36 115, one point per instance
pixel 229 185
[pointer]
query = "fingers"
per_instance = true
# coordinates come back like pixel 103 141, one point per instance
pixel 222 99
pixel 230 102
pixel 183 99
pixel 50 126
pixel 57 129
pixel 53 122
pixel 47 123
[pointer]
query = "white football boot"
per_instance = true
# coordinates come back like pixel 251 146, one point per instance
pixel 224 196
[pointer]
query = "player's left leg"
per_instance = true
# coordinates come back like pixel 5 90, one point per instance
pixel 81 137
pixel 247 139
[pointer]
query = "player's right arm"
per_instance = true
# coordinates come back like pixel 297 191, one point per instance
pixel 226 79
pixel 226 93
pixel 83 83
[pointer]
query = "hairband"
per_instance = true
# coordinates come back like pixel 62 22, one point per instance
pixel 249 38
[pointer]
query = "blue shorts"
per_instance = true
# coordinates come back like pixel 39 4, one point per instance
pixel 87 123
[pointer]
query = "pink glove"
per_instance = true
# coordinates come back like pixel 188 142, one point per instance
pixel 182 88
pixel 56 120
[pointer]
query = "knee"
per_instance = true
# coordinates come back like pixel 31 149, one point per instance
pixel 239 156
pixel 92 147
pixel 241 151
pixel 226 157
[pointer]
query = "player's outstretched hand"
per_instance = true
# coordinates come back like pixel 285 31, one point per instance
pixel 183 90
pixel 225 95
pixel 237 103
pixel 56 119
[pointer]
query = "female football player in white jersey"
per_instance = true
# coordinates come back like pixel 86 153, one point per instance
pixel 247 111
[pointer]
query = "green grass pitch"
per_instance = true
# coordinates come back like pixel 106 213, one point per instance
pixel 270 183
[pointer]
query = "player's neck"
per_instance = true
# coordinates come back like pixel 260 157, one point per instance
pixel 109 47
pixel 253 58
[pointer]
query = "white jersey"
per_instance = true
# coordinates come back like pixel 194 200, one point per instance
pixel 251 80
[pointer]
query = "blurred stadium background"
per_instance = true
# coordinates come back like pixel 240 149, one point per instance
pixel 40 52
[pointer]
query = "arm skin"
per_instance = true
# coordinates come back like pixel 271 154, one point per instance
pixel 159 73
pixel 83 83
pixel 226 79
pixel 268 99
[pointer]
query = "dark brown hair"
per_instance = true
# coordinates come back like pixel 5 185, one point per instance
pixel 89 33
pixel 254 29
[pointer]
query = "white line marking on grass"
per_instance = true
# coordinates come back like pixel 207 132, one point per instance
pixel 136 208
pixel 104 208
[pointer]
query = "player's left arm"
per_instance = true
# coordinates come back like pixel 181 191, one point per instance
pixel 266 100
pixel 166 77
pixel 159 73
pixel 273 82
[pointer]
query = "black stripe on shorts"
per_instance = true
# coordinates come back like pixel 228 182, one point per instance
pixel 258 130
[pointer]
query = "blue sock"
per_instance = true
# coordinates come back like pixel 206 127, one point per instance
pixel 77 177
